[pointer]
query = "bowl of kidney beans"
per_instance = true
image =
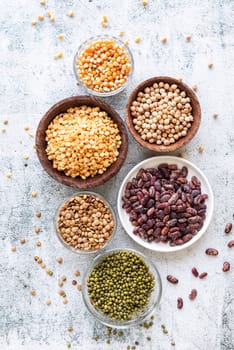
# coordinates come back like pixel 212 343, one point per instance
pixel 165 203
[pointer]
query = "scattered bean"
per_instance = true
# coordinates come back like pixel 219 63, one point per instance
pixel 226 266
pixel 231 244
pixel 180 303
pixel 203 275
pixel 172 279
pixel 195 272
pixel 212 251
pixel 228 228
pixel 193 294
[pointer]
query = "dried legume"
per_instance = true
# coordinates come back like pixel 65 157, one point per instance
pixel 85 222
pixel 103 66
pixel 164 206
pixel 83 142
pixel 120 285
pixel 162 113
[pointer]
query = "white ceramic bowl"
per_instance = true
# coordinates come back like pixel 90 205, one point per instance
pixel 192 170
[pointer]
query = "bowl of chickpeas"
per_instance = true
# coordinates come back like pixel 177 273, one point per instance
pixel 103 65
pixel 163 114
pixel 81 142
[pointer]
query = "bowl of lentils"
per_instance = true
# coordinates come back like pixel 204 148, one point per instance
pixel 103 65
pixel 165 203
pixel 81 142
pixel 163 114
pixel 85 223
pixel 121 288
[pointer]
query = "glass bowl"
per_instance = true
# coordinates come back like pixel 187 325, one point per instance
pixel 137 318
pixel 82 251
pixel 84 45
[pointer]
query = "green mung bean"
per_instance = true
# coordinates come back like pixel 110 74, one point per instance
pixel 120 285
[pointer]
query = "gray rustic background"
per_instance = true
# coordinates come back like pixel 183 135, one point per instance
pixel 30 82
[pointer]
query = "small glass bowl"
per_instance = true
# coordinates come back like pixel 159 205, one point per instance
pixel 139 317
pixel 93 40
pixel 81 251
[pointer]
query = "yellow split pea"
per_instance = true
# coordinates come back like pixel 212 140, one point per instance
pixel 103 66
pixel 84 141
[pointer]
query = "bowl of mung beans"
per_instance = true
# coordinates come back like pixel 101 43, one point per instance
pixel 81 142
pixel 163 114
pixel 103 65
pixel 121 288
pixel 85 223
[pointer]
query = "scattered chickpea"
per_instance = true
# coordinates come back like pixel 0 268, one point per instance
pixel 37 229
pixel 49 14
pixel 104 24
pixel 74 282
pixel 188 37
pixel 22 240
pixel 164 40
pixel 30 134
pixel 65 301
pixel 59 260
pixel 3 130
pixel 48 302
pixel 26 156
pixel 79 287
pixel 36 258
pixel 64 278
pixel 38 244
pixel 13 248
pixel 52 18
pixel 121 33
pixel 58 55
pixel 195 87
pixel 215 115
pixel 38 214
pixel 26 128
pixel 105 18
pixel 42 2
pixel 104 21
pixel 138 40
pixel 126 43
pixel 210 65
pixel 70 329
pixel 40 18
pixel 39 261
pixel 62 293
pixel 8 175
pixel 34 194
pixel 34 23
pixel 43 265
pixel 5 122
pixel 33 292
pixel 60 284
pixel 144 2
pixel 201 149
pixel 77 273
pixel 71 13
pixel 60 36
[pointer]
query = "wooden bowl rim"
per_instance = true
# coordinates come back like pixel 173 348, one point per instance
pixel 183 140
pixel 62 106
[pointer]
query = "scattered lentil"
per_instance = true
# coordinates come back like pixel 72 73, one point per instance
pixel 33 292
pixel 34 194
pixel 120 285
pixel 162 113
pixel 64 278
pixel 77 273
pixel 71 13
pixel 58 55
pixel 49 272
pixel 26 128
pixel 8 175
pixel 60 284
pixel 3 131
pixel 5 122
pixel 121 33
pixel 42 2
pixel 103 66
pixel 144 2
pixel 65 301
pixel 60 36
pixel 43 266
pixel 33 23
pixel 48 302
pixel 40 18
pixel 83 142
pixel 210 65
pixel 201 149
pixel 74 282
pixel 62 293
pixel 188 37
pixel 13 248
pixel 22 240
pixel 38 214
pixel 215 115
pixel 138 40
pixel 85 222
pixel 38 244
pixel 37 229
pixel 70 329
pixel 164 40
pixel 79 287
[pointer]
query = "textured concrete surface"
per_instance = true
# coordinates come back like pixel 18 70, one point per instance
pixel 31 81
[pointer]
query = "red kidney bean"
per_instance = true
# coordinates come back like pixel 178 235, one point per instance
pixel 180 303
pixel 231 244
pixel 212 251
pixel 193 294
pixel 226 266
pixel 165 197
pixel 195 272
pixel 228 228
pixel 203 275
pixel 172 279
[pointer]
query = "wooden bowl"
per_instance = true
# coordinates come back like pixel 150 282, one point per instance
pixel 41 143
pixel 196 112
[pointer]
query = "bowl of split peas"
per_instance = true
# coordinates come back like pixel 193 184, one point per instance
pixel 103 65
pixel 163 114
